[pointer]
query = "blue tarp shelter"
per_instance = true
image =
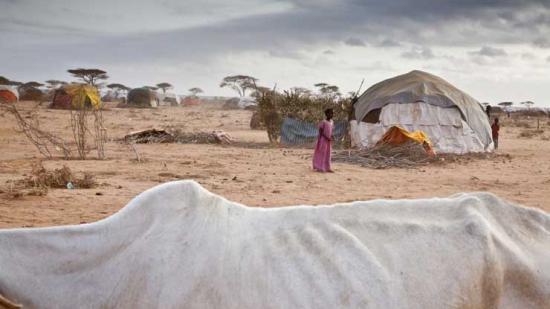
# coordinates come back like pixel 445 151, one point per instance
pixel 298 132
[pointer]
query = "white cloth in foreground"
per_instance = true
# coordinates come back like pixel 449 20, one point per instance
pixel 179 246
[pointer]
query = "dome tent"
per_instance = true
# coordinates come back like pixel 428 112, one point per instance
pixel 8 94
pixel 454 121
pixel 142 97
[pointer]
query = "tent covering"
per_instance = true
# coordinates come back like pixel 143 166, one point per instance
pixel 180 246
pixel 425 88
pixel 81 94
pixel 76 96
pixel 142 97
pixel 398 136
pixel 8 94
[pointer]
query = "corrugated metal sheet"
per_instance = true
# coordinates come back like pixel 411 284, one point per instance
pixel 297 132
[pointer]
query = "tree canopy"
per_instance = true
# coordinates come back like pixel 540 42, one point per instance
pixel 239 83
pixel 89 76
pixel 150 88
pixel 53 83
pixel 32 84
pixel 505 103
pixel 164 86
pixel 528 103
pixel 116 86
pixel 195 90
pixel 327 89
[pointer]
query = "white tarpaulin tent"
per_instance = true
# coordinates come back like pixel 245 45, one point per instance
pixel 454 121
pixel 179 246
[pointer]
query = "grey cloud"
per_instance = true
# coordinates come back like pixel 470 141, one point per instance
pixel 467 23
pixel 328 52
pixel 542 42
pixel 548 59
pixel 528 56
pixel 288 54
pixel 354 42
pixel 489 51
pixel 419 53
pixel 389 43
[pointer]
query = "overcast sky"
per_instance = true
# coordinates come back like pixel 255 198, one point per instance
pixel 495 50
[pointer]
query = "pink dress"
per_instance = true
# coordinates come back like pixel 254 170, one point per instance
pixel 321 156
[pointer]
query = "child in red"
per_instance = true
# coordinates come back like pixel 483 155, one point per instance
pixel 494 129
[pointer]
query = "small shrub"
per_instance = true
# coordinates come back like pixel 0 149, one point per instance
pixel 44 179
pixel 530 133
pixel 521 124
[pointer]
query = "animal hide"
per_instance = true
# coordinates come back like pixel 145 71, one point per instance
pixel 180 246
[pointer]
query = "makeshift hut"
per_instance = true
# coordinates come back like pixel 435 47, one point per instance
pixel 31 94
pixel 453 121
pixel 167 99
pixel 142 97
pixel 76 96
pixel 190 101
pixel 8 94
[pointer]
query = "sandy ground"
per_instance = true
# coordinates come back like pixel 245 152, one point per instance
pixel 251 172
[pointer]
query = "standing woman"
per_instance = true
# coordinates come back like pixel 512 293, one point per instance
pixel 321 156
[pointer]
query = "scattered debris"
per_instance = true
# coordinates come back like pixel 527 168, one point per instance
pixel 410 155
pixel 149 136
pixel 386 156
pixel 152 136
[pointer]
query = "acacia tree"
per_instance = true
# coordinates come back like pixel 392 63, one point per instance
pixel 328 90
pixel 195 90
pixel 528 103
pixel 239 83
pixel 117 88
pixel 505 103
pixel 89 76
pixel 53 83
pixel 301 91
pixel 164 86
pixel 32 84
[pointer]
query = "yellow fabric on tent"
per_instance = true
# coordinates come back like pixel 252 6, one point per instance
pixel 81 93
pixel 396 136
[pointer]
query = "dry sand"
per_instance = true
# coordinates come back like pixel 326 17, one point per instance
pixel 251 172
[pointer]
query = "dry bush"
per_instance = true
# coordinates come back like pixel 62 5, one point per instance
pixel 58 178
pixel 521 124
pixel 256 121
pixel 46 141
pixel 80 128
pixel 530 133
pixel 42 140
pixel 41 180
pixel 275 106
